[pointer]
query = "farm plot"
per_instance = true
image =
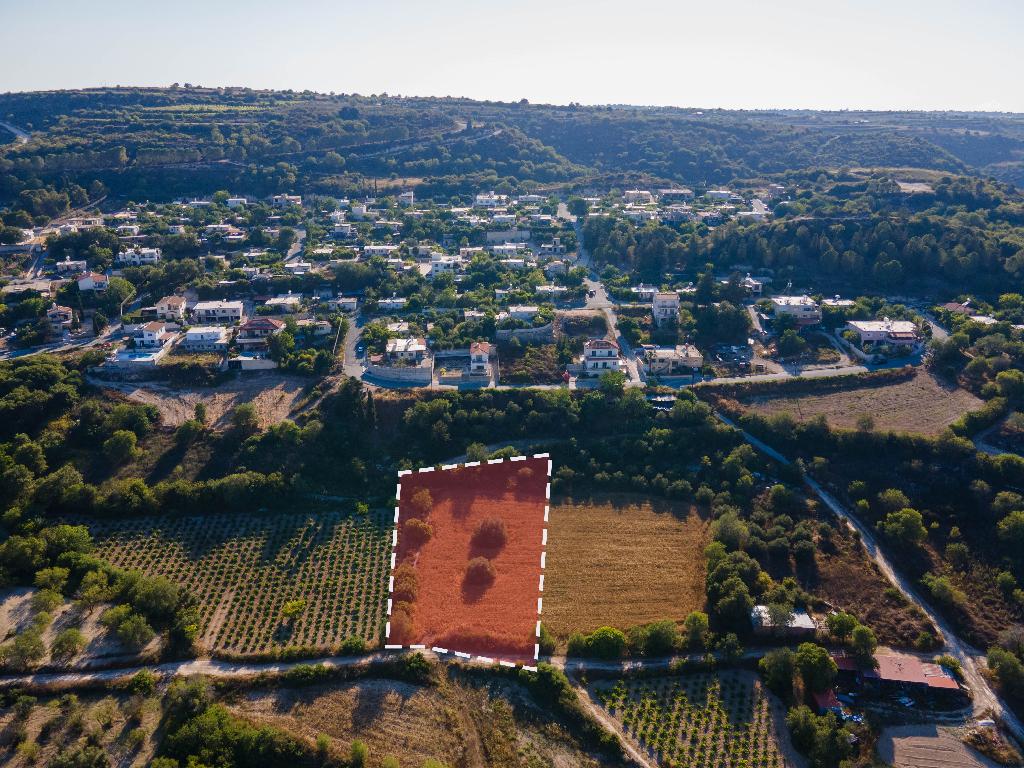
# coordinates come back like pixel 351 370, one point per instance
pixel 622 560
pixel 703 721
pixel 242 569
pixel 469 558
pixel 921 405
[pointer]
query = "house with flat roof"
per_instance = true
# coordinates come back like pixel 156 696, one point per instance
pixel 903 333
pixel 206 338
pixel 408 349
pixel 137 257
pixel 216 312
pixel 665 307
pixel 681 360
pixel 59 318
pixel 803 308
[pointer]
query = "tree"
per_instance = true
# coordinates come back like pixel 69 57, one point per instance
pixel 120 446
pixel 1011 531
pixel 778 667
pixel 612 383
pixel 697 627
pixel 791 344
pixel 606 643
pixel 841 624
pixel 67 644
pixel 99 322
pixel 52 578
pixel 730 648
pixel 905 527
pixel 863 643
pixel 135 631
pixel 577 206
pixel 245 419
pixel 816 666
pixel 200 412
pixel 359 755
pixel 25 651
pixel 476 452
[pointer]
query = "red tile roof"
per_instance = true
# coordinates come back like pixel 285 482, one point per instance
pixel 901 668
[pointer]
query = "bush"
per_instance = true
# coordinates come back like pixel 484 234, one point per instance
pixel 480 572
pixel 67 644
pixel 421 503
pixel 416 532
pixel 120 446
pixel 490 534
pixel 602 643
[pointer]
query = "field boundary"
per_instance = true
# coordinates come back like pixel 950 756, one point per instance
pixel 540 585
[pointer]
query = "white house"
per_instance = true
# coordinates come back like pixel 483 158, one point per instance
pixel 407 198
pixel 665 307
pixel 803 308
pixel 392 303
pixel 601 356
pixel 215 312
pixel 286 201
pixel 379 250
pixel 443 264
pixel 59 318
pixel 902 333
pixel 207 338
pixel 489 200
pixel 638 196
pixel 154 335
pixel 644 293
pixel 289 302
pixel 68 266
pixel 138 257
pixel 92 281
pixel 479 358
pixel 171 308
pixel 236 202
pixel 681 360
pixel 523 312
pixel 718 194
pixel 407 349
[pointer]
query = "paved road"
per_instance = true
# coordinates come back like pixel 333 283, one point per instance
pixel 970 658
pixel 295 250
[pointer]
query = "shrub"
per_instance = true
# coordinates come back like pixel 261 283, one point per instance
pixel 67 644
pixel 120 446
pixel 490 534
pixel 406 584
pixel 416 532
pixel 480 572
pixel 602 643
pixel 421 503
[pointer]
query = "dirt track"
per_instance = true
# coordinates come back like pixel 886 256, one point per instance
pixel 272 394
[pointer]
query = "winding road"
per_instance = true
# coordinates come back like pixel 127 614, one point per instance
pixel 971 659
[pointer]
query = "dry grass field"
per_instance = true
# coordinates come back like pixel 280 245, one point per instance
pixel 921 405
pixel 459 723
pixel 621 561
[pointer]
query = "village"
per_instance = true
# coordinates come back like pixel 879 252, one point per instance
pixel 498 292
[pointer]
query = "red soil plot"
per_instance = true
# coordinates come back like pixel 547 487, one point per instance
pixel 468 563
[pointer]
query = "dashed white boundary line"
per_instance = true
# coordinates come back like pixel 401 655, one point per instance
pixel 540 584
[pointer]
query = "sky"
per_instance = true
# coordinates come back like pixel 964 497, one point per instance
pixel 820 54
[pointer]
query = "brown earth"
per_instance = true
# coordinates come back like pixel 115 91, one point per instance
pixel 849 580
pixel 927 746
pixel 450 610
pixel 462 723
pixel 273 395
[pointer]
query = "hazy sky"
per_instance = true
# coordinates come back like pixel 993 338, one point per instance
pixel 833 54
